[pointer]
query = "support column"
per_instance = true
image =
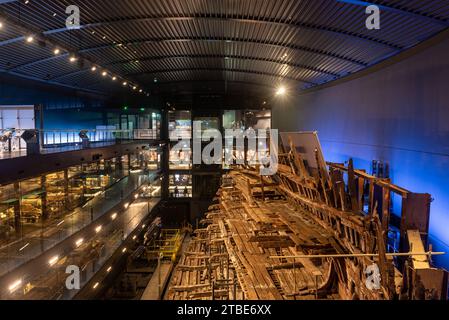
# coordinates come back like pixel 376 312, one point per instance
pixel 43 196
pixel 17 210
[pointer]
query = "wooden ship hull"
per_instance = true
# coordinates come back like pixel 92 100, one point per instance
pixel 314 230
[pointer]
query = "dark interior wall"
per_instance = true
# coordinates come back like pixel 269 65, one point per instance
pixel 399 114
pixel 14 91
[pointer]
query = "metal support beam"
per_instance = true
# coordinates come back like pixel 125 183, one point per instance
pixel 190 57
pixel 221 70
pixel 278 44
pixel 237 18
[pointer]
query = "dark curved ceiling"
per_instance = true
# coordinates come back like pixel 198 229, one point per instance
pixel 240 46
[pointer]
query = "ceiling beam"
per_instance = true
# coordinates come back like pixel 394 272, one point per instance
pixel 206 81
pixel 236 18
pixel 203 56
pixel 38 35
pixel 260 73
pixel 400 11
pixel 175 40
pixel 278 44
pixel 231 57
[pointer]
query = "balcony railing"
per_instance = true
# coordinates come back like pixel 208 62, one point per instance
pixel 10 139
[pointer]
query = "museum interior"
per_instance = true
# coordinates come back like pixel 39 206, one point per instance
pixel 224 150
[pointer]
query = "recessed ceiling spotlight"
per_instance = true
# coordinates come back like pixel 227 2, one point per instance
pixel 30 39
pixel 125 83
pixel 114 78
pixel 27 1
pixel 1 25
pixel 94 68
pixel 57 51
pixel 134 88
pixel 140 90
pixel 72 59
pixel 104 74
pixel 54 14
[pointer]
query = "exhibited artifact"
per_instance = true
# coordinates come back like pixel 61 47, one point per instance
pixel 314 230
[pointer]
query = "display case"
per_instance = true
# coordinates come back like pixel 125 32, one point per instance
pixel 32 208
pixel 180 156
pixel 7 221
pixel 180 186
pixel 180 125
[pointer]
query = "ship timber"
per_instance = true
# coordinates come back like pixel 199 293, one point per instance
pixel 311 231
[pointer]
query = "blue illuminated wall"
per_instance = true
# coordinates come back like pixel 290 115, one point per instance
pixel 399 114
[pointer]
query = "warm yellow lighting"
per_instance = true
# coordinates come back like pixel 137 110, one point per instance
pixel 72 59
pixel 281 91
pixel 30 39
pixel 104 74
pixel 114 78
pixel 79 242
pixel 15 285
pixel 114 216
pixel 109 269
pixel 98 229
pixel 96 285
pixel 24 247
pixel 57 51
pixel 125 83
pixel 94 68
pixel 53 261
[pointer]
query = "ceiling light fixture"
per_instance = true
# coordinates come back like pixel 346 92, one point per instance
pixel 281 91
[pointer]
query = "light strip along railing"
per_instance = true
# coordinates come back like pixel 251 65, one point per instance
pixel 72 136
